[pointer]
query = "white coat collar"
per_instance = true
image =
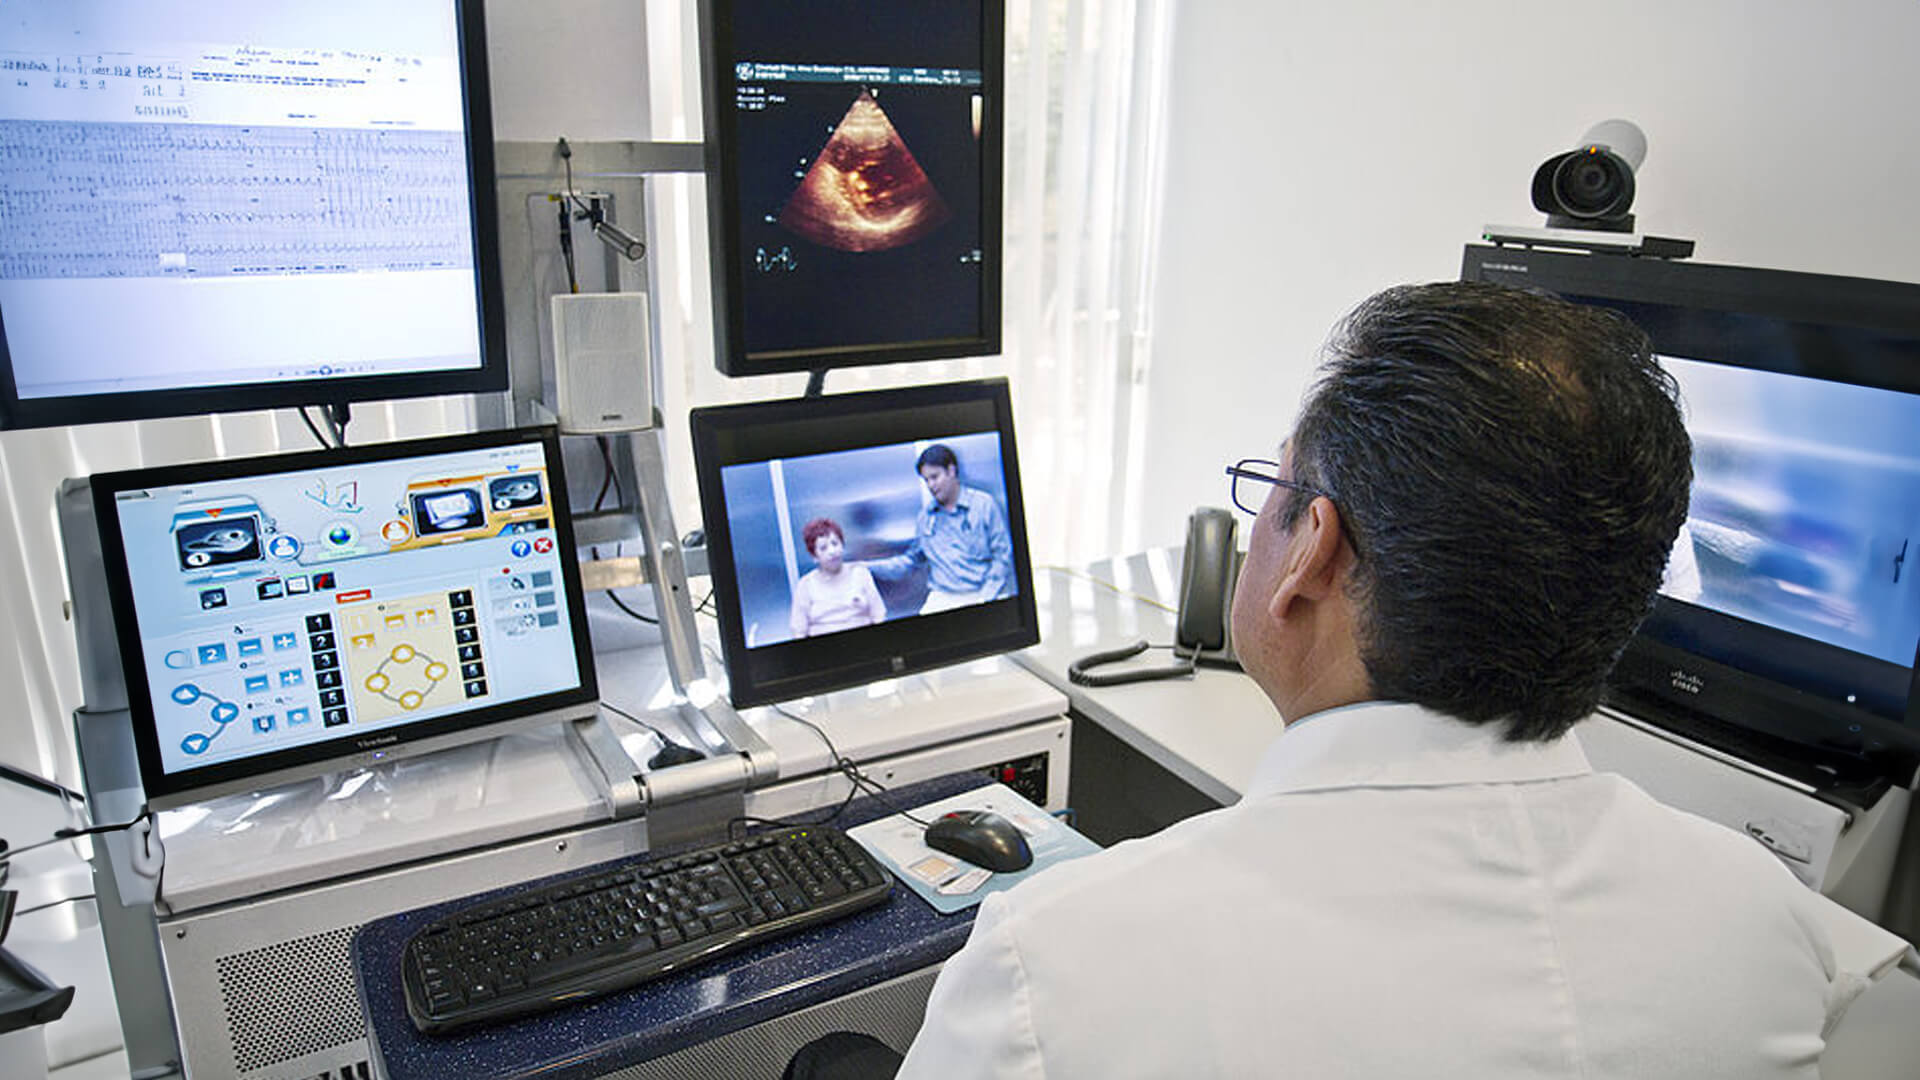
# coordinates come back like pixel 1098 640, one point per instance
pixel 1395 744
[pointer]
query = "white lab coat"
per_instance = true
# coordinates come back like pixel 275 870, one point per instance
pixel 1400 895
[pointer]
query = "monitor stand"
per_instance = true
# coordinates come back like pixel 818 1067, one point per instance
pixel 693 802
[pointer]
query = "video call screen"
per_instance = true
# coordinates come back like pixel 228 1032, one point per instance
pixel 880 525
pixel 1805 513
pixel 856 537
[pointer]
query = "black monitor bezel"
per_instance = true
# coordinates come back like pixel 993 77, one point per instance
pixel 903 646
pixel 490 375
pixel 1716 692
pixel 723 205
pixel 344 751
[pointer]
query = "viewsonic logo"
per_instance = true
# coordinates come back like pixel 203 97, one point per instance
pixel 1686 681
pixel 377 741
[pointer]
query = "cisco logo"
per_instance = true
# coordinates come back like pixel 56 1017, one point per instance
pixel 1685 681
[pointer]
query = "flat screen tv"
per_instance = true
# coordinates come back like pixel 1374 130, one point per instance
pixel 853 180
pixel 210 205
pixel 1789 620
pixel 285 616
pixel 858 537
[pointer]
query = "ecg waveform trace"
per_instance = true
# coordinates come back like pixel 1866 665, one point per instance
pixel 108 200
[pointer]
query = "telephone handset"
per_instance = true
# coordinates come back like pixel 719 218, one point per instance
pixel 1208 575
pixel 1203 629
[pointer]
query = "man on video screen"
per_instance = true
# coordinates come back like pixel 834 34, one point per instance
pixel 961 538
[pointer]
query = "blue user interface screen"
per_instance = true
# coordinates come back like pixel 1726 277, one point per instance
pixel 824 543
pixel 292 608
pixel 1806 507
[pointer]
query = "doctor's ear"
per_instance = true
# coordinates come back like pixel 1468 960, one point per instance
pixel 1317 557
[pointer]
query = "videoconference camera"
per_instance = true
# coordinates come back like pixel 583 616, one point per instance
pixel 1591 186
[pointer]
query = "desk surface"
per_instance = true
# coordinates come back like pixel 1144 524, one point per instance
pixel 681 1010
pixel 1209 730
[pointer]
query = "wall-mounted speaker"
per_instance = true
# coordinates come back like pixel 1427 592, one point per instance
pixel 602 374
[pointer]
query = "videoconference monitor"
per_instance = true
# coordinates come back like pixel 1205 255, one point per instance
pixel 284 616
pixel 1791 605
pixel 853 180
pixel 858 537
pixel 213 205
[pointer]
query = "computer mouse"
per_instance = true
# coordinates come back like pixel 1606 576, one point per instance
pixel 671 754
pixel 982 838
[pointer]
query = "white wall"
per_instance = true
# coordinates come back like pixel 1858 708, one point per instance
pixel 568 67
pixel 1321 152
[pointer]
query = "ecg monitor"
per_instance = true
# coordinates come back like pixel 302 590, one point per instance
pixel 1791 605
pixel 853 180
pixel 858 537
pixel 285 616
pixel 213 205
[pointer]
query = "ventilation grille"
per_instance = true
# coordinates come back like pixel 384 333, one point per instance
pixel 290 999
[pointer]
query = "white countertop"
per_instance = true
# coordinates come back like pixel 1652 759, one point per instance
pixel 1209 729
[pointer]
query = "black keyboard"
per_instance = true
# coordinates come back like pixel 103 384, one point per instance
pixel 615 926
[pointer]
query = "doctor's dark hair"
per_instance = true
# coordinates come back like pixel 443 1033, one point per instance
pixel 1512 470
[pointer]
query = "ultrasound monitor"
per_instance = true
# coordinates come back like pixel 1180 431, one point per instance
pixel 858 537
pixel 853 180
pixel 1791 603
pixel 212 205
pixel 285 616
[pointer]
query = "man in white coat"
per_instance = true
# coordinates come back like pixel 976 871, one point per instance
pixel 1425 878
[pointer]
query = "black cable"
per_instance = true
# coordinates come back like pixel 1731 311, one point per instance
pixel 570 205
pixel 839 763
pixel 566 244
pixel 648 619
pixel 315 428
pixel 671 753
pixel 607 479
pixel 748 819
pixel 339 415
pixel 611 479
pixel 619 489
pixel 657 733
pixel 566 158
pixel 53 903
pixel 851 770
pixel 1080 672
pixel 62 835
pixel 39 783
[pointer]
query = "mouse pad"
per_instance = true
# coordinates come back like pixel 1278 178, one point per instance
pixel 946 882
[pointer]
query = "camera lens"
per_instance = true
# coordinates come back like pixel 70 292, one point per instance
pixel 1592 185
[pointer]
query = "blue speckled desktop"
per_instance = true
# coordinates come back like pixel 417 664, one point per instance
pixel 681 1010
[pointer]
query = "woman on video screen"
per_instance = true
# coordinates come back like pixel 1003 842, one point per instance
pixel 834 595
